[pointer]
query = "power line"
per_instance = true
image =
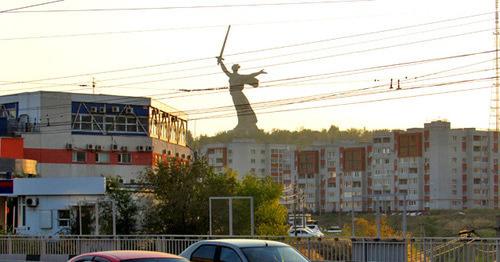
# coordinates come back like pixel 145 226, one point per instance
pixel 329 96
pixel 189 7
pixel 29 6
pixel 302 60
pixel 295 53
pixel 301 78
pixel 66 129
pixel 245 52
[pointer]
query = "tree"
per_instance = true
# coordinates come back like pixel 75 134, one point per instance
pixel 180 193
pixel 179 199
pixel 126 209
pixel 270 215
pixel 365 228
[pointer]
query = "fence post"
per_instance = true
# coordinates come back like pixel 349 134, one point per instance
pixel 9 245
pixel 497 229
pixel 309 247
pixel 43 243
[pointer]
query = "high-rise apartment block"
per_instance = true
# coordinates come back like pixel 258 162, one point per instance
pixel 434 167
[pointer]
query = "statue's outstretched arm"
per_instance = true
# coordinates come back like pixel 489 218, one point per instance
pixel 258 73
pixel 222 66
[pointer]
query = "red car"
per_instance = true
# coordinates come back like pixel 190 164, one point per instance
pixel 127 256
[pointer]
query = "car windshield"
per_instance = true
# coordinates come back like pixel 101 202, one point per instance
pixel 157 260
pixel 273 254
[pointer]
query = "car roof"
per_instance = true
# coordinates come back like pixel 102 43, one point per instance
pixel 130 254
pixel 242 243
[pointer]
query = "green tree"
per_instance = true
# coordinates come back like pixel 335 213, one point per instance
pixel 126 209
pixel 179 199
pixel 270 215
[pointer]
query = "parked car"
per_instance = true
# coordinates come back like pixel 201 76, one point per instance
pixel 242 250
pixel 127 256
pixel 303 232
pixel 315 228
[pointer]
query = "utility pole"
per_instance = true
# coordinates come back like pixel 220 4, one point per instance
pixel 496 104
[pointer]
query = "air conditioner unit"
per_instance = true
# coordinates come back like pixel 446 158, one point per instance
pixel 114 147
pixel 140 148
pixel 98 147
pixel 129 110
pixel 93 109
pixel 90 147
pixel 102 110
pixel 149 148
pixel 123 148
pixel 69 146
pixel 115 109
pixel 32 201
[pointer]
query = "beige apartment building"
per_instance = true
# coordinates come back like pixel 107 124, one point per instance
pixel 434 167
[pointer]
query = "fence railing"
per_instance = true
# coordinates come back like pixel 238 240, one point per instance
pixel 316 249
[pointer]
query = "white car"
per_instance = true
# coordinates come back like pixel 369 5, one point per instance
pixel 315 228
pixel 303 232
pixel 241 250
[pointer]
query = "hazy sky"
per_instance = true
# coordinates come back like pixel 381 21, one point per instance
pixel 337 50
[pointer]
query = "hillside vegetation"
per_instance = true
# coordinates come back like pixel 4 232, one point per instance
pixel 439 223
pixel 302 137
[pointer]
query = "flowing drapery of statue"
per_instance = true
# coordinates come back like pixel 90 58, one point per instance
pixel 247 120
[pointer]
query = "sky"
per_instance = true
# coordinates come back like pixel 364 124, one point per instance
pixel 327 62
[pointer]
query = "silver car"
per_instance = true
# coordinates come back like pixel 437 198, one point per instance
pixel 242 250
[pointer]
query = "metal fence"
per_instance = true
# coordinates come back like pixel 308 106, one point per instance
pixel 316 249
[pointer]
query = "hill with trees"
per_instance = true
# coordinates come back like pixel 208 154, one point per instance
pixel 301 137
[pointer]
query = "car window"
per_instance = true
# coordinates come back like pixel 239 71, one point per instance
pixel 84 259
pixel 273 254
pixel 156 260
pixel 228 255
pixel 100 259
pixel 204 253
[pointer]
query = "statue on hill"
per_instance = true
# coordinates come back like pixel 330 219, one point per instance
pixel 247 120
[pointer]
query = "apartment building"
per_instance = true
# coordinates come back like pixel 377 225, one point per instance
pixel 434 167
pixel 245 156
pixel 72 134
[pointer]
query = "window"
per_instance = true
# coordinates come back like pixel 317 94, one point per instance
pixel 63 217
pixel 100 259
pixel 252 151
pixel 263 152
pixel 79 156
pixel 124 158
pixel 228 255
pixel 85 259
pixel 204 253
pixel 252 161
pixel 262 161
pixel 102 157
